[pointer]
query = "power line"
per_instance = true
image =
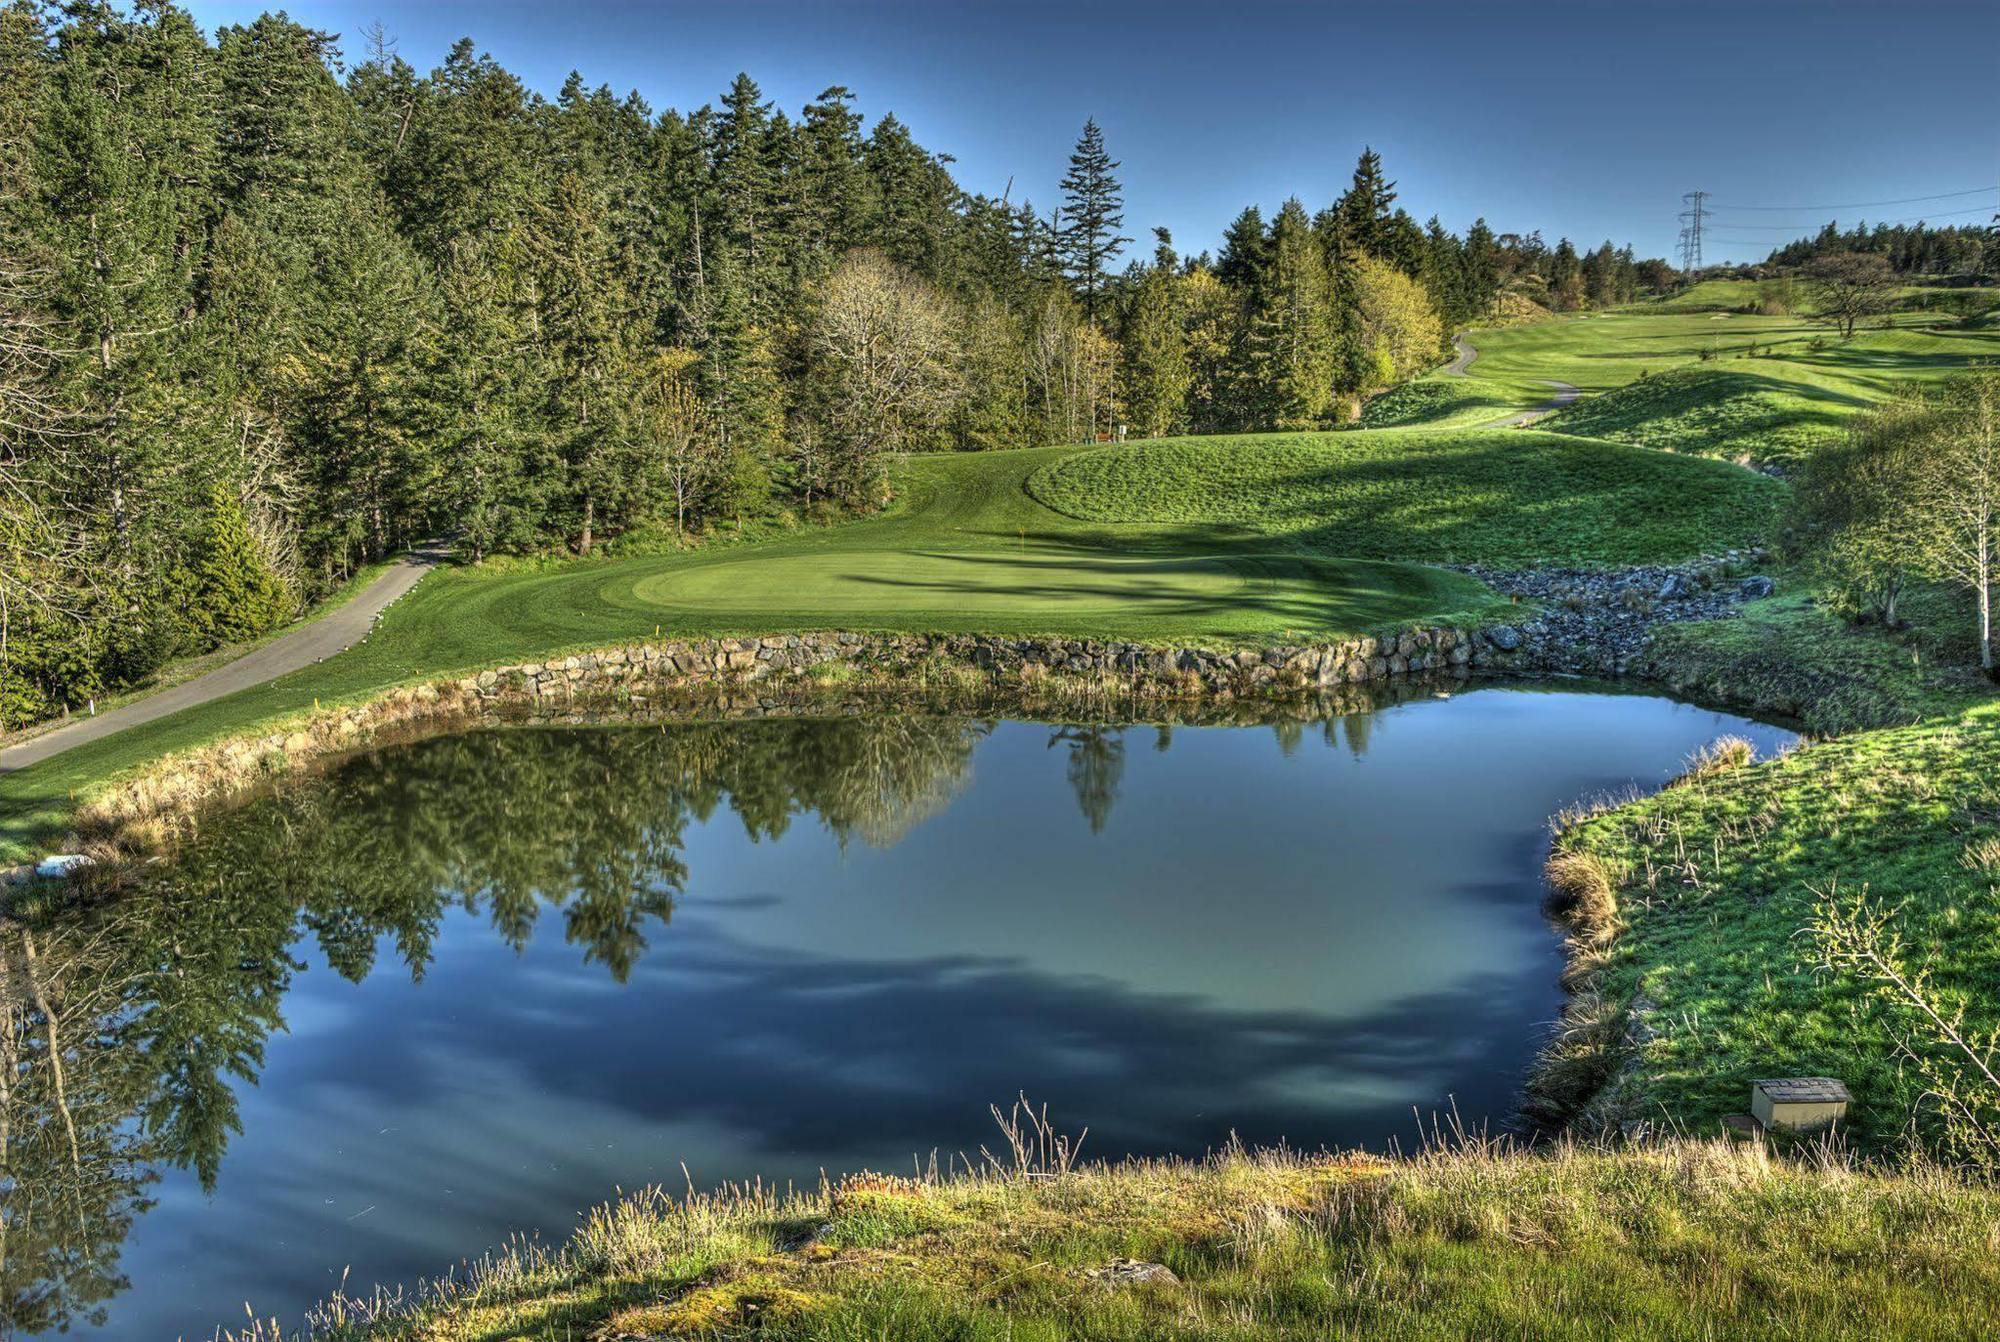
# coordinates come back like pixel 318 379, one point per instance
pixel 1907 219
pixel 1862 204
pixel 1691 223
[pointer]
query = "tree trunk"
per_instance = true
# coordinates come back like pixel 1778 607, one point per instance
pixel 1985 576
pixel 589 516
pixel 56 1073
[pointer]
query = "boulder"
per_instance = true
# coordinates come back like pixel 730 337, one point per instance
pixel 60 865
pixel 1677 587
pixel 1752 589
pixel 1504 637
pixel 1124 1271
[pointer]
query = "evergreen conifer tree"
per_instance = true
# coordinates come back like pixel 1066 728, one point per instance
pixel 236 594
pixel 1154 366
pixel 1093 212
pixel 1288 363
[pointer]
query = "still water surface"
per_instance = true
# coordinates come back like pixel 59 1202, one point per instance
pixel 469 987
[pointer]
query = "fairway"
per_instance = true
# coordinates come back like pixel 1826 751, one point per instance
pixel 1686 377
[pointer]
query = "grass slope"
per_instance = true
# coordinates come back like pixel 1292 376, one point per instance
pixel 1493 496
pixel 1791 657
pixel 1716 878
pixel 1717 412
pixel 1439 403
pixel 1689 1241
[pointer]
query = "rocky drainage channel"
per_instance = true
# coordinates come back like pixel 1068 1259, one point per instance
pixel 1601 621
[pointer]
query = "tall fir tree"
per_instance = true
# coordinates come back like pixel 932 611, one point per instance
pixel 1288 361
pixel 1482 270
pixel 1246 251
pixel 1155 374
pixel 1359 220
pixel 1093 212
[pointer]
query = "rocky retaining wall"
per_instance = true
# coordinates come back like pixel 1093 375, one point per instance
pixel 1138 668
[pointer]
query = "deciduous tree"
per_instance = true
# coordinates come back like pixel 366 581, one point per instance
pixel 1848 288
pixel 885 343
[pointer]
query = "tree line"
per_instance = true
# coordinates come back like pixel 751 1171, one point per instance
pixel 1908 249
pixel 266 317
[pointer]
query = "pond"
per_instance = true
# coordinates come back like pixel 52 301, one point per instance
pixel 377 1022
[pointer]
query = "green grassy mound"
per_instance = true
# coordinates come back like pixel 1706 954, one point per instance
pixel 1714 412
pixel 1499 496
pixel 1438 403
pixel 1683 1241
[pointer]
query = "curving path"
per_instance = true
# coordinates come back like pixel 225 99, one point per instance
pixel 317 639
pixel 1462 357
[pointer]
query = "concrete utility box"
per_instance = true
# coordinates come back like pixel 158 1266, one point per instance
pixel 1799 1104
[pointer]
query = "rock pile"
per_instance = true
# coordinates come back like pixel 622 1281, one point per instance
pixel 1601 621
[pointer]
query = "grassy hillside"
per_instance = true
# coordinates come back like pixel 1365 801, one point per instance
pixel 1790 656
pixel 1686 1241
pixel 1714 881
pixel 1439 403
pixel 1607 350
pixel 1497 496
pixel 1715 410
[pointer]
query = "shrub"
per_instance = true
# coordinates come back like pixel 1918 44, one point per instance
pixel 1583 894
pixel 237 592
pixel 1720 756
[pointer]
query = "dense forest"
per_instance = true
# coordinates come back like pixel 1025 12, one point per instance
pixel 1910 249
pixel 266 316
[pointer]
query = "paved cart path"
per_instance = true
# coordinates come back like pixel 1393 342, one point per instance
pixel 314 641
pixel 1464 354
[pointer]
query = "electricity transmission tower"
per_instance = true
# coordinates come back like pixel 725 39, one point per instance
pixel 1691 222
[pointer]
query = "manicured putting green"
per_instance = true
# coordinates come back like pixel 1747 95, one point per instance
pixel 1060 583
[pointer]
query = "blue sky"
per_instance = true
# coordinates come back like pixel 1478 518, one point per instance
pixel 1582 119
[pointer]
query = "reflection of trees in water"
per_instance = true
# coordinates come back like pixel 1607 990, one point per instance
pixel 1096 768
pixel 126 1018
pixel 588 825
pixel 1356 727
pixel 74 1167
